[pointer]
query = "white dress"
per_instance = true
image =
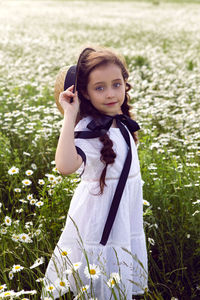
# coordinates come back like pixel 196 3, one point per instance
pixel 89 212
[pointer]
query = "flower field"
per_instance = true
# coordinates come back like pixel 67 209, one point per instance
pixel 161 44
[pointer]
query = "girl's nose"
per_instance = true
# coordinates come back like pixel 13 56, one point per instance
pixel 110 93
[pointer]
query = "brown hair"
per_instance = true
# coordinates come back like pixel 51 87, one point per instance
pixel 89 60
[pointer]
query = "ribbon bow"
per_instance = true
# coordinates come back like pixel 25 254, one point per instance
pixel 104 122
pixel 98 128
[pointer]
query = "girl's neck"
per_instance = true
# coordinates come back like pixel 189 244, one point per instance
pixel 114 124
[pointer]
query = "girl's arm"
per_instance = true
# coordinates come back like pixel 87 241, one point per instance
pixel 66 158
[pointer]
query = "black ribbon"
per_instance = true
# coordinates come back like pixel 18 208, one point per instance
pixel 99 127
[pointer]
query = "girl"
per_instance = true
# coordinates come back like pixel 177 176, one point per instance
pixel 106 212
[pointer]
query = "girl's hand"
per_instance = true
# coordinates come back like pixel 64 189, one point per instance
pixel 71 109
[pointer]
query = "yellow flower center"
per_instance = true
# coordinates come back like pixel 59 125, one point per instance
pixel 17 267
pixel 1 288
pixel 62 283
pixel 113 282
pixel 7 294
pixel 92 271
pixel 64 253
pixel 50 288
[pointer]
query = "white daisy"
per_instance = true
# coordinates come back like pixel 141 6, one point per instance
pixel 33 166
pixel 76 265
pixel 26 153
pixel 10 275
pixel 17 268
pixel 29 197
pixel 65 252
pixel 92 272
pixel 8 221
pixel 13 170
pixel 114 279
pixel 62 284
pixel 51 177
pixel 39 203
pixel 84 288
pixel 3 231
pixel 22 200
pixel 38 262
pixel 25 238
pixel 29 172
pixel 50 192
pixel 33 201
pixel 50 287
pixel 8 294
pixel 3 287
pixel 41 182
pixel 37 232
pixel 15 237
pixel 146 203
pixel 17 190
pixel 26 182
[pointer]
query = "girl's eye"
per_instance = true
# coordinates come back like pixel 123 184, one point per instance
pixel 117 84
pixel 99 88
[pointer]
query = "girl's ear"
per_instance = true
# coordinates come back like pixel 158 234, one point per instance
pixel 85 94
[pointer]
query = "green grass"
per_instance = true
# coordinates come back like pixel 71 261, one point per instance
pixel 161 47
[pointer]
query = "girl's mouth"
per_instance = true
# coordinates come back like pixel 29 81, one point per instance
pixel 111 103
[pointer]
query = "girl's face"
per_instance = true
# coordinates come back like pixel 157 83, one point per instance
pixel 106 89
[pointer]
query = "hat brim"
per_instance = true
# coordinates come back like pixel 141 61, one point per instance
pixel 59 87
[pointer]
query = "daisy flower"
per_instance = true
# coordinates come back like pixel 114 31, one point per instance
pixel 50 192
pixel 29 172
pixel 65 252
pixel 13 170
pixel 62 284
pixel 38 262
pixel 33 201
pixel 7 221
pixel 146 203
pixel 92 272
pixel 29 197
pixel 114 279
pixel 50 288
pixel 17 268
pixel 26 153
pixel 26 182
pixel 3 231
pixel 76 265
pixel 39 203
pixel 2 287
pixel 84 288
pixel 22 200
pixel 55 170
pixel 24 237
pixel 15 237
pixel 10 275
pixel 8 294
pixel 33 166
pixel 51 177
pixel 41 182
pixel 17 190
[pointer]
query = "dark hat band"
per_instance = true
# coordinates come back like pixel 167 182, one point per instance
pixel 70 78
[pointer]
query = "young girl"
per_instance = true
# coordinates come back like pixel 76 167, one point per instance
pixel 107 206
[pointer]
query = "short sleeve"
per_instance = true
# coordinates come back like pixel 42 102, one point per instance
pixel 82 145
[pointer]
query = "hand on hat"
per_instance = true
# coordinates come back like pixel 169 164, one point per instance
pixel 64 100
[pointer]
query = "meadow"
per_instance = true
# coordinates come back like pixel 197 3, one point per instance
pixel 161 44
